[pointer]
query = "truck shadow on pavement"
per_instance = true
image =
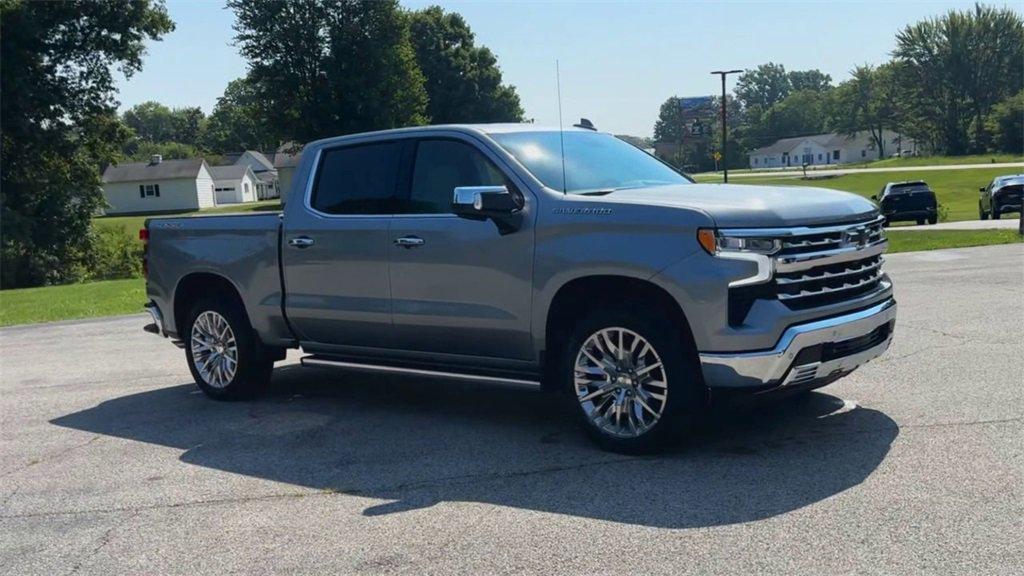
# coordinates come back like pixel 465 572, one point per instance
pixel 414 444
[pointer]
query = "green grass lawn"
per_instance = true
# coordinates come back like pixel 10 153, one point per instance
pixel 107 298
pixel 135 222
pixel 908 241
pixel 955 189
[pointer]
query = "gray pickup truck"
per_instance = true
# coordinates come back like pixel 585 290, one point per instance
pixel 518 255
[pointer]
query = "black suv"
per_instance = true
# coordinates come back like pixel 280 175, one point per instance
pixel 908 201
pixel 1002 195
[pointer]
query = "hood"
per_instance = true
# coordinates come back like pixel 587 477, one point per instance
pixel 740 206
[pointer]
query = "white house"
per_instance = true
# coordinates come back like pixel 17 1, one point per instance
pixel 285 163
pixel 266 174
pixel 826 149
pixel 234 184
pixel 158 186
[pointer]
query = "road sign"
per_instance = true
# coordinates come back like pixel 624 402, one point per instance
pixel 716 155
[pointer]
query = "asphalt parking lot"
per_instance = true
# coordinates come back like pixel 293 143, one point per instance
pixel 112 463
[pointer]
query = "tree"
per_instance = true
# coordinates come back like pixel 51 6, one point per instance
pixel 809 80
pixel 762 87
pixel 154 122
pixel 870 101
pixel 958 67
pixel 801 113
pixel 671 124
pixel 462 80
pixel 328 67
pixel 238 121
pixel 60 125
pixel 1006 123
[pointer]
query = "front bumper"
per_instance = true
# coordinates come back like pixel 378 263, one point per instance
pixel 807 353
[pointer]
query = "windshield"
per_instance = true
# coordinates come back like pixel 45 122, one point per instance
pixel 593 161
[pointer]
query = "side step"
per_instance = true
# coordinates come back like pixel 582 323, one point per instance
pixel 321 362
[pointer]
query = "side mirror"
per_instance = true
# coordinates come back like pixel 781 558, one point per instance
pixel 982 189
pixel 488 203
pixel 874 197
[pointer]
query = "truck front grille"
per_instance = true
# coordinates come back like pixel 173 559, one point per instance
pixel 817 266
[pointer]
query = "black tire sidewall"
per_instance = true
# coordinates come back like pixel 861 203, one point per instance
pixel 253 371
pixel 685 391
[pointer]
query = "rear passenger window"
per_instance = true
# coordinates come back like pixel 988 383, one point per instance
pixel 358 179
pixel 443 165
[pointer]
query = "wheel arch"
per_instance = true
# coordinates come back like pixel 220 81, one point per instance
pixel 582 293
pixel 198 284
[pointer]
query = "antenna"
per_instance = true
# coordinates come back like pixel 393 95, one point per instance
pixel 561 131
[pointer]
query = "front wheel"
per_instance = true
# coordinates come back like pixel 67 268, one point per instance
pixel 224 355
pixel 933 219
pixel 981 212
pixel 633 380
pixel 995 212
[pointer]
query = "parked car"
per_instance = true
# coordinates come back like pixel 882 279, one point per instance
pixel 1002 195
pixel 485 253
pixel 908 201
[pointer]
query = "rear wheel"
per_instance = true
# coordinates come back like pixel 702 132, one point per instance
pixel 981 212
pixel 933 219
pixel 224 355
pixel 633 380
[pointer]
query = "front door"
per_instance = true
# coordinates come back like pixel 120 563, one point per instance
pixel 335 248
pixel 458 286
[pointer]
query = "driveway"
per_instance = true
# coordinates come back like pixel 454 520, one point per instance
pixel 112 463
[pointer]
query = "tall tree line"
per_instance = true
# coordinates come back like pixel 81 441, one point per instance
pixel 955 84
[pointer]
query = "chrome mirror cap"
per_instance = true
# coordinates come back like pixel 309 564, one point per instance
pixel 467 196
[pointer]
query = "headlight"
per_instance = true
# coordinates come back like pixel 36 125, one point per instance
pixel 750 249
pixel 715 243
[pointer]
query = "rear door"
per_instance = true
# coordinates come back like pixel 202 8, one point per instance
pixel 335 248
pixel 459 286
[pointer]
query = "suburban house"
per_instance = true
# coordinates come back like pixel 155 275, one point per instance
pixel 158 186
pixel 285 163
pixel 827 149
pixel 234 184
pixel 266 174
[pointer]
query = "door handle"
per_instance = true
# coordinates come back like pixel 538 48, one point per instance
pixel 409 241
pixel 301 242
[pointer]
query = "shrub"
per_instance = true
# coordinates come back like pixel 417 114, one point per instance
pixel 115 254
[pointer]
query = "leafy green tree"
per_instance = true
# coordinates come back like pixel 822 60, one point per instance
pixel 238 121
pixel 328 67
pixel 671 124
pixel 463 81
pixel 60 125
pixel 763 87
pixel 809 80
pixel 958 67
pixel 870 101
pixel 154 122
pixel 1006 123
pixel 801 113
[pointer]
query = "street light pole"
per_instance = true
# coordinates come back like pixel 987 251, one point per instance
pixel 725 130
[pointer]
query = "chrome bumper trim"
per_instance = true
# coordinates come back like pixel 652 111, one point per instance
pixel 772 367
pixel 158 318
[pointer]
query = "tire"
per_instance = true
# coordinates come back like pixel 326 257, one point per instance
pixel 995 212
pixel 981 213
pixel 933 219
pixel 253 364
pixel 665 420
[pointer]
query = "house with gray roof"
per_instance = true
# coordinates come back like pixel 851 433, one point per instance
pixel 158 186
pixel 266 176
pixel 234 184
pixel 827 149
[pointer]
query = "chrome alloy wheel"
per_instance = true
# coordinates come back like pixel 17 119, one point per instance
pixel 214 350
pixel 620 382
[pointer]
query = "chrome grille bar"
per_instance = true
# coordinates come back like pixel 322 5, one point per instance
pixel 827 290
pixel 860 268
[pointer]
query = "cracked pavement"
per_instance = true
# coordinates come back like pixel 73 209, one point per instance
pixel 112 463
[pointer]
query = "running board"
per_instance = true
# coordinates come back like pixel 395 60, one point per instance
pixel 318 362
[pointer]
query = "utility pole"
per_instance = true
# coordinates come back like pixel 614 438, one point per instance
pixel 725 130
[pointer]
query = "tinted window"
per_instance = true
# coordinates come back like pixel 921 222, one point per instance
pixel 593 161
pixel 443 165
pixel 909 187
pixel 358 179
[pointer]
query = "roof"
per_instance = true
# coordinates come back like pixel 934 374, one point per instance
pixel 260 159
pixel 146 171
pixel 823 140
pixel 266 176
pixel 473 128
pixel 232 172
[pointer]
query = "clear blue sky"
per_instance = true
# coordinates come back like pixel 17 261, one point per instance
pixel 619 60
